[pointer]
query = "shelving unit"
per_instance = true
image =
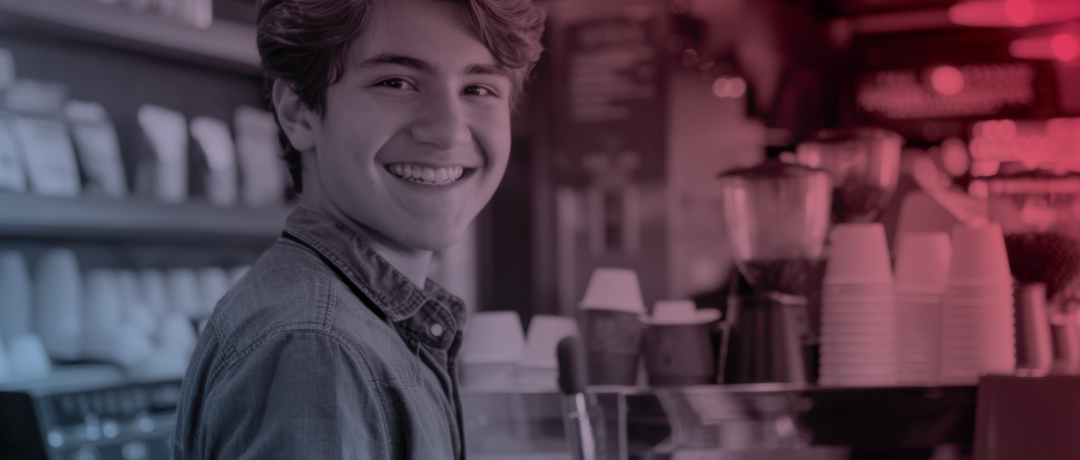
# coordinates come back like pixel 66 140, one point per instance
pixel 224 44
pixel 30 216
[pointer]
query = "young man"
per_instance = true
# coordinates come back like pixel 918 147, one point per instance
pixel 335 345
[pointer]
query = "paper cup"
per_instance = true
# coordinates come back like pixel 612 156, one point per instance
pixel 104 313
pixel 922 260
pixel 882 308
pixel 5 366
pixel 184 294
pixel 858 369
pixel 679 354
pixel 489 376
pixel 15 288
pixel 858 348
pixel 27 357
pixel 545 332
pixel 858 380
pixel 213 284
pixel 857 358
pixel 978 255
pixel 612 345
pixel 908 298
pixel 887 288
pixel 133 345
pixel 887 327
pixel 860 339
pixel 999 288
pixel 858 298
pixel 155 291
pixel 858 253
pixel 613 289
pixel 493 337
pixel 678 313
pixel 178 333
pixel 58 296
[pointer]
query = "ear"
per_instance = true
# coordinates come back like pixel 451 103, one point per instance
pixel 296 119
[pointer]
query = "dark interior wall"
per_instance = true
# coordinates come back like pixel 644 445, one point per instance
pixel 506 238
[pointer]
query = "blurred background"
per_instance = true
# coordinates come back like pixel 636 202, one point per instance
pixel 140 171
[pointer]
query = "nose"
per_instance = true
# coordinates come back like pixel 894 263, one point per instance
pixel 442 121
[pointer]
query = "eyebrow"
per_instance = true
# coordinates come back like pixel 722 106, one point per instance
pixel 383 59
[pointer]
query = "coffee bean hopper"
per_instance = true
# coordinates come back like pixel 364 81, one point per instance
pixel 776 216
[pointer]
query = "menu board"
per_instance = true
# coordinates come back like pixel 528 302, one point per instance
pixel 608 115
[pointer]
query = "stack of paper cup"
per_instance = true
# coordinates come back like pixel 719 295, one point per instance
pixel 538 368
pixel 104 313
pixel 5 368
pixel 213 284
pixel 27 357
pixel 58 304
pixel 977 323
pixel 492 346
pixel 858 312
pixel 922 265
pixel 15 288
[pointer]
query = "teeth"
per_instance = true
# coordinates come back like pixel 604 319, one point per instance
pixel 426 175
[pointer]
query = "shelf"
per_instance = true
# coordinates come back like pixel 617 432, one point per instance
pixel 224 43
pixel 31 216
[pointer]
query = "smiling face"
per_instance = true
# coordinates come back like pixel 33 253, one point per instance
pixel 416 133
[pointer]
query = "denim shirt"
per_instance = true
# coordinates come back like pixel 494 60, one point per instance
pixel 324 351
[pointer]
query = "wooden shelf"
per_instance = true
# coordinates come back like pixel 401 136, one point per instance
pixel 31 216
pixel 224 43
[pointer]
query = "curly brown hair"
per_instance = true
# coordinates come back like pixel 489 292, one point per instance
pixel 305 43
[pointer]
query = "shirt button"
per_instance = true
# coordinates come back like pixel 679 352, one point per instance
pixel 436 330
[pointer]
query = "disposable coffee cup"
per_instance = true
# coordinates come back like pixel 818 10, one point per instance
pixel 28 357
pixel 979 256
pixel 493 337
pixel 678 346
pixel 612 345
pixel 611 327
pixel 5 367
pixel 858 254
pixel 922 260
pixel 16 312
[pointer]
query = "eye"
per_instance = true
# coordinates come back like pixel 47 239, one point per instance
pixel 396 83
pixel 479 91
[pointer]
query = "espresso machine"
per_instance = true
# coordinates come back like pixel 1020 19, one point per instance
pixel 776 216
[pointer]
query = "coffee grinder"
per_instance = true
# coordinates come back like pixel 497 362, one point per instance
pixel 777 217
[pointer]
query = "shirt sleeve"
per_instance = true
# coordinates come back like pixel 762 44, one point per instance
pixel 297 395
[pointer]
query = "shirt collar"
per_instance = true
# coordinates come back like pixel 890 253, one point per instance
pixel 430 315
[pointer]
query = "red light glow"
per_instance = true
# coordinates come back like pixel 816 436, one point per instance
pixel 1064 47
pixel 1019 12
pixel 947 80
pixel 1013 13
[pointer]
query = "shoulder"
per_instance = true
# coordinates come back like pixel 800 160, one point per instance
pixel 291 290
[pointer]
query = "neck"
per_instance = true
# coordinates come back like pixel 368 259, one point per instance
pixel 413 263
